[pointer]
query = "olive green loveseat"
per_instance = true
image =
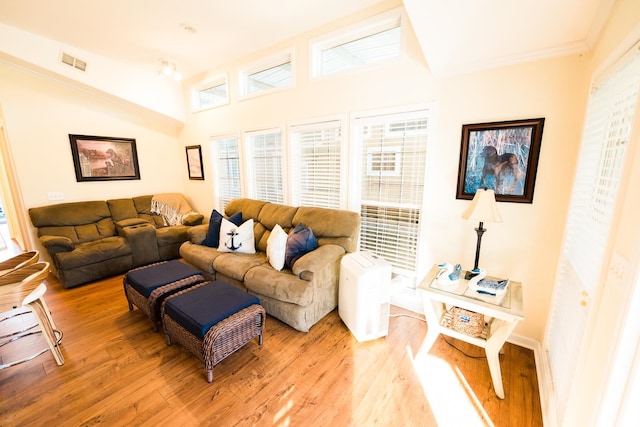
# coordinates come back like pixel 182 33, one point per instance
pixel 92 240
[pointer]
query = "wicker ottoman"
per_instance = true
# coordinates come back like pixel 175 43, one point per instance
pixel 212 320
pixel 146 287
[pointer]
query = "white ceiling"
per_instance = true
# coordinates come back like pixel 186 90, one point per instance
pixel 455 35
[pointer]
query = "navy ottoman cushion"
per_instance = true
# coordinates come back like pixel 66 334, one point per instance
pixel 201 308
pixel 145 280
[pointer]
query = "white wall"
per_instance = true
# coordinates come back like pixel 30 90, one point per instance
pixel 40 113
pixel 525 246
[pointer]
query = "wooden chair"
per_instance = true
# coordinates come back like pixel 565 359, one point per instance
pixel 21 260
pixel 24 288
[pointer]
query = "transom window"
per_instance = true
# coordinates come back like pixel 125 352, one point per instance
pixel 367 43
pixel 273 73
pixel 210 93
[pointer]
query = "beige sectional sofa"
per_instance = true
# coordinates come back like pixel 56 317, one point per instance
pixel 299 296
pixel 92 240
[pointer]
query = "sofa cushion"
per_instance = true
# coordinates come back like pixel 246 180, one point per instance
pixel 279 285
pixel 238 239
pixel 300 241
pixel 277 247
pixel 122 209
pixel 236 265
pixel 338 227
pixel 171 235
pixel 94 252
pixel 213 234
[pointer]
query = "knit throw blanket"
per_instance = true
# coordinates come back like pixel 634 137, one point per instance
pixel 172 206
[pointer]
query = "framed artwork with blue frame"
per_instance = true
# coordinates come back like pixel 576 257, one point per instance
pixel 502 156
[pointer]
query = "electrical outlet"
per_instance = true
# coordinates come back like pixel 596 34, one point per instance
pixel 55 195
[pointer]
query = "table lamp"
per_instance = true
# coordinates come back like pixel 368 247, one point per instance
pixel 483 208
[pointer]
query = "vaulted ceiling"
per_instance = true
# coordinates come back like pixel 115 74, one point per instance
pixel 455 35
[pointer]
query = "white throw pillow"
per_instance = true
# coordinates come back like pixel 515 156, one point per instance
pixel 237 239
pixel 277 247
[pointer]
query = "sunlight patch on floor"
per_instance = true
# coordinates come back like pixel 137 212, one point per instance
pixel 282 417
pixel 450 398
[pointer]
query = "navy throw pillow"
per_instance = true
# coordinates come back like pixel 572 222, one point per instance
pixel 300 241
pixel 213 234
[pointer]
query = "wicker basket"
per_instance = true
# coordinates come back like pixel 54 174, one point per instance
pixel 467 322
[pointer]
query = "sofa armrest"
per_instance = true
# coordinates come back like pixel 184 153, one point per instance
pixel 55 244
pixel 316 260
pixel 192 219
pixel 129 222
pixel 198 233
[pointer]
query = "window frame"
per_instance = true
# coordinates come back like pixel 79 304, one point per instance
pixel 248 157
pixel 294 128
pixel 360 30
pixel 217 170
pixel 206 84
pixel 266 63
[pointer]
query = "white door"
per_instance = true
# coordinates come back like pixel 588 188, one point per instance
pixel 610 113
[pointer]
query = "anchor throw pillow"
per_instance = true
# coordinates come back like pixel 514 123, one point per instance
pixel 213 233
pixel 235 238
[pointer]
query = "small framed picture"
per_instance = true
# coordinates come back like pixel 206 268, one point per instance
pixel 103 158
pixel 501 156
pixel 194 162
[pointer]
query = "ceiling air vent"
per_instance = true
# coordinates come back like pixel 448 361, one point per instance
pixel 74 62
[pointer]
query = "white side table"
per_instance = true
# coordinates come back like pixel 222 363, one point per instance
pixel 501 316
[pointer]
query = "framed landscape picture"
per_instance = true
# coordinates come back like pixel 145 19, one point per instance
pixel 103 158
pixel 501 156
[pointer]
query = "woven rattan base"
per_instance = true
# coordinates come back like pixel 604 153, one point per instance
pixel 151 306
pixel 222 339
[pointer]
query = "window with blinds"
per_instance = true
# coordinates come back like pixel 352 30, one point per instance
pixel 394 149
pixel 227 174
pixel 264 160
pixel 610 113
pixel 316 164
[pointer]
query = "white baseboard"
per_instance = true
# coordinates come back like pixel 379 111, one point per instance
pixel 543 372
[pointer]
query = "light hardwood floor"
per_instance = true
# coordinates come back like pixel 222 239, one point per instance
pixel 119 372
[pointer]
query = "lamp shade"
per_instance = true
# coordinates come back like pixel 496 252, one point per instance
pixel 483 207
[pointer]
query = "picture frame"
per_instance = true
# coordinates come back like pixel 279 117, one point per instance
pixel 194 162
pixel 502 156
pixel 104 158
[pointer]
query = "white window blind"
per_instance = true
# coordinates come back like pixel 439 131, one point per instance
pixel 316 164
pixel 264 151
pixel 392 186
pixel 610 114
pixel 228 185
